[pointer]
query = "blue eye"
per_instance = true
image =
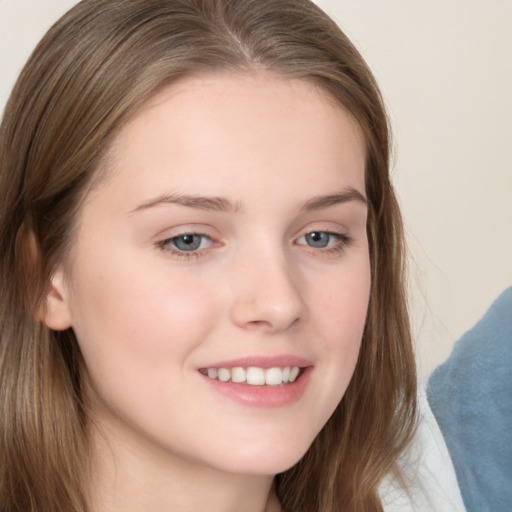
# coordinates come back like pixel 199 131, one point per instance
pixel 326 242
pixel 189 242
pixel 318 239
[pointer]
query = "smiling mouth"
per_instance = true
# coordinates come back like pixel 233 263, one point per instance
pixel 254 375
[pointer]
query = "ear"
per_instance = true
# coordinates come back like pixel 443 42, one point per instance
pixel 55 311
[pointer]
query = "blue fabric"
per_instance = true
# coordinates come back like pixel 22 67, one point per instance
pixel 471 397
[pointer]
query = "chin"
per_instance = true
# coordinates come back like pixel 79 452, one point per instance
pixel 269 461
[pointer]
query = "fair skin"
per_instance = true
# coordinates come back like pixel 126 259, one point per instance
pixel 229 232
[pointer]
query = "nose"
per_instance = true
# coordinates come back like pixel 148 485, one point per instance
pixel 266 294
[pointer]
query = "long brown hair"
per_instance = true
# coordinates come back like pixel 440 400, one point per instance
pixel 90 73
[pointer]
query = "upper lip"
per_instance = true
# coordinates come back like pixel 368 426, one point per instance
pixel 263 362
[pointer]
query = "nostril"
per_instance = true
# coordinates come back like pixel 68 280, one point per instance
pixel 268 325
pixel 257 324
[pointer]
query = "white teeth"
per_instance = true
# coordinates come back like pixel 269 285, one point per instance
pixel 273 377
pixel 224 374
pixel 294 372
pixel 238 374
pixel 254 376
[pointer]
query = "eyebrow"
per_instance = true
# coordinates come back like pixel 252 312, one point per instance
pixel 216 204
pixel 221 204
pixel 346 195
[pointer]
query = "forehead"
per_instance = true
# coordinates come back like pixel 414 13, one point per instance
pixel 220 128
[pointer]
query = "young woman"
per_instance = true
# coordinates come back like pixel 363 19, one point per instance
pixel 202 297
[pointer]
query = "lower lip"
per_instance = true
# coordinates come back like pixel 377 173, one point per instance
pixel 262 396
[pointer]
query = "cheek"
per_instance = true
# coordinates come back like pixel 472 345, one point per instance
pixel 138 332
pixel 135 320
pixel 341 314
pixel 344 304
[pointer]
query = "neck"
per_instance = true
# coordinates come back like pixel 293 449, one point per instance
pixel 130 477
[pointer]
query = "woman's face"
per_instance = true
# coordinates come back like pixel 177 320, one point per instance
pixel 224 251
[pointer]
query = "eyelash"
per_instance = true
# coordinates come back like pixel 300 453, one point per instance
pixel 166 245
pixel 342 241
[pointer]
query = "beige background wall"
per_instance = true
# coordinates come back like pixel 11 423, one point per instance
pixel 445 68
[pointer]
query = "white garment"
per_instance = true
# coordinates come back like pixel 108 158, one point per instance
pixel 432 484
